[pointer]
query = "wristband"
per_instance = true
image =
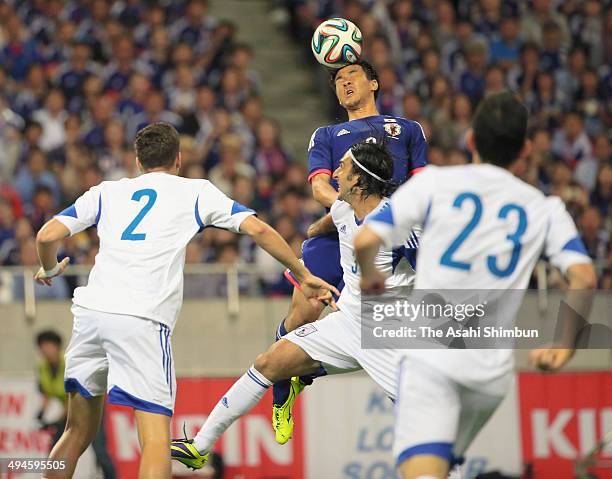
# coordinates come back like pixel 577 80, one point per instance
pixel 53 271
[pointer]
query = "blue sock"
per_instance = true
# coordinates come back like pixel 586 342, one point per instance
pixel 308 380
pixel 280 390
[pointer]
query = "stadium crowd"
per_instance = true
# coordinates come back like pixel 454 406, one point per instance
pixel 437 58
pixel 79 78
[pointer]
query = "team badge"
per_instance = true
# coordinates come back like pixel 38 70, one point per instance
pixel 305 330
pixel 393 129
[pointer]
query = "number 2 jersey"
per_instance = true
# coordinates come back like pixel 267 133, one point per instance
pixel 404 140
pixel 144 225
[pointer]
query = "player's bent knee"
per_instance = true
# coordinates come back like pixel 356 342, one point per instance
pixel 262 363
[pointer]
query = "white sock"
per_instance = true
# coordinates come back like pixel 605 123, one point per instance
pixel 240 399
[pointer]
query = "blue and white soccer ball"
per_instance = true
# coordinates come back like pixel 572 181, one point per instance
pixel 336 43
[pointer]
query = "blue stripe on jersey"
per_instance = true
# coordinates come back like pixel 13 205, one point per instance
pixel 169 360
pixel 99 209
pixel 396 256
pixel 576 245
pixel 427 212
pixel 161 345
pixel 197 215
pixel 238 208
pixel 70 211
pixel 384 215
pixel 410 255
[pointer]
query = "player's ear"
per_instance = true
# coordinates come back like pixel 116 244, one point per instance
pixel 374 86
pixel 139 165
pixel 526 150
pixel 179 161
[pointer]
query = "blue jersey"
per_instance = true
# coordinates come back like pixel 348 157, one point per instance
pixel 404 139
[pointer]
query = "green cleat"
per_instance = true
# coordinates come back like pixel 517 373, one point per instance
pixel 282 416
pixel 183 451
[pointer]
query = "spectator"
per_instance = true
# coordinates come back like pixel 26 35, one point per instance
pixel 505 49
pixel 595 238
pixel 35 173
pixel 471 81
pixel 541 14
pixel 52 118
pixel 20 51
pixel 601 198
pixel 571 143
pixel 231 163
pixel 270 158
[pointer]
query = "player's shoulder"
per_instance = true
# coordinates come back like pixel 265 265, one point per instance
pixel 410 125
pixel 339 209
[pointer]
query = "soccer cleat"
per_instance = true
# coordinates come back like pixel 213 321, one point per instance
pixel 183 451
pixel 282 416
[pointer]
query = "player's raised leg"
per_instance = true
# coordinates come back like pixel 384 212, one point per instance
pixel 82 424
pixel 320 254
pixel 283 360
pixel 153 436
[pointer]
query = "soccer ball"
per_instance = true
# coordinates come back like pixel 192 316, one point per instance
pixel 336 43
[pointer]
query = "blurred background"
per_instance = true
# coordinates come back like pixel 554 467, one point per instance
pixel 237 79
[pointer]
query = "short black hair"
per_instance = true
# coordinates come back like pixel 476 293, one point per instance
pixel 500 127
pixel 49 336
pixel 368 69
pixel 376 158
pixel 157 145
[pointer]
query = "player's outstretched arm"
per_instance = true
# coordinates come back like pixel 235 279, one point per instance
pixel 271 241
pixel 367 244
pixel 582 280
pixel 322 226
pixel 48 241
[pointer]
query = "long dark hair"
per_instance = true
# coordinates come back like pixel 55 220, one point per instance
pixel 375 158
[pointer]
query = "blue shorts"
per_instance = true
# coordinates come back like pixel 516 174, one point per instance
pixel 321 255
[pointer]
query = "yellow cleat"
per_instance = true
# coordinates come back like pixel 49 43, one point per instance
pixel 282 416
pixel 183 451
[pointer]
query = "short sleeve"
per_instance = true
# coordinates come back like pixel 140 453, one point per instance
pixel 319 154
pixel 338 209
pixel 214 208
pixel 563 245
pixel 418 149
pixel 85 211
pixel 407 208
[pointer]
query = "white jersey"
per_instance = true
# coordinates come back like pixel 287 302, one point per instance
pixel 392 262
pixel 144 225
pixel 483 228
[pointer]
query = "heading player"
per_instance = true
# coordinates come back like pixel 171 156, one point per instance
pixel 334 342
pixel 124 317
pixel 356 88
pixel 483 228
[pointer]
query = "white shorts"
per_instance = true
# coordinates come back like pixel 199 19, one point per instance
pixel 335 340
pixel 129 357
pixel 436 415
